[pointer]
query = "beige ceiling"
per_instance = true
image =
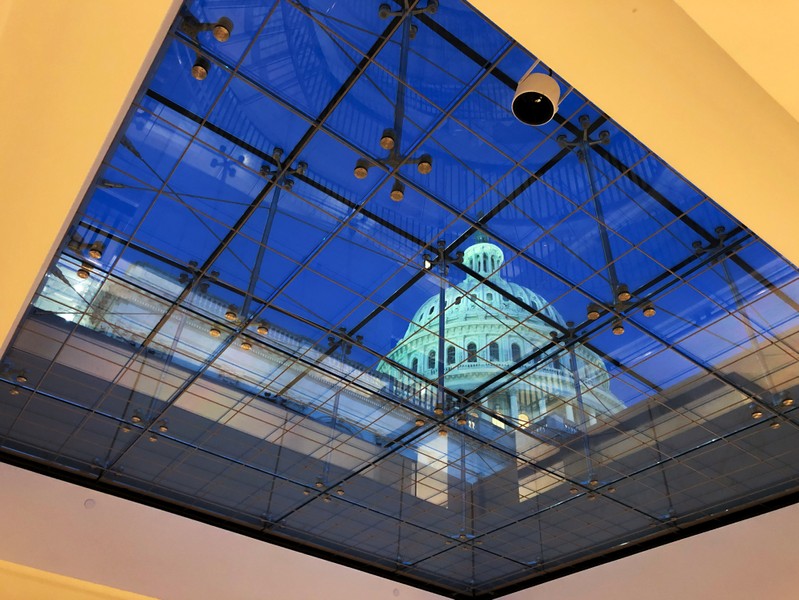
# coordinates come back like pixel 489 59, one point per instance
pixel 708 85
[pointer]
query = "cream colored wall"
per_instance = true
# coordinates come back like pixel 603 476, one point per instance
pixel 18 582
pixel 71 66
pixel 69 70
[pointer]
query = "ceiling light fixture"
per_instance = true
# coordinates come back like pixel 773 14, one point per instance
pixel 222 29
pixel 263 329
pixel 246 346
pixel 536 99
pixel 618 328
pixel 419 422
pixel 593 312
pixel 214 332
pixel 397 191
pixel 757 413
pixel 96 251
pixel 231 315
pixel 388 140
pixel 200 68
pixel 787 402
pixel 649 311
pixel 622 293
pixel 361 169
pixel 425 164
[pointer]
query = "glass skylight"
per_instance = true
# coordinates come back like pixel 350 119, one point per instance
pixel 328 291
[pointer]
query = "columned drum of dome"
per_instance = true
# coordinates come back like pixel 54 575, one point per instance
pixel 487 334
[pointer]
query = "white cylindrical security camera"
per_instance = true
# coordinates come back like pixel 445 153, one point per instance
pixel 536 99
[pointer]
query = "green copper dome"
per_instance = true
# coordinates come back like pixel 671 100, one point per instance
pixel 487 333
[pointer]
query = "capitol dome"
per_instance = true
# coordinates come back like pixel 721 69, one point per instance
pixel 486 333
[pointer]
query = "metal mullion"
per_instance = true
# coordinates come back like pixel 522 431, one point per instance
pixel 283 171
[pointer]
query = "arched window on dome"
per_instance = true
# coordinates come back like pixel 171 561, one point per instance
pixel 493 351
pixel 431 360
pixel 451 355
pixel 471 352
pixel 515 352
pixel 415 365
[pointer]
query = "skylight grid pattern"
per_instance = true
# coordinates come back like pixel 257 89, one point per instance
pixel 327 291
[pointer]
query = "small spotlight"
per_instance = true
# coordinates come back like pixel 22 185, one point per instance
pixel 222 29
pixel 326 498
pixel 419 422
pixel 388 140
pixel 152 439
pixel 397 191
pixel 22 379
pixel 320 484
pixel 622 293
pixel 438 410
pixel 618 328
pixel 125 428
pixel 649 311
pixel 593 483
pixel 96 251
pixel 340 491
pixel 200 68
pixel 425 164
pixel 214 332
pixel 757 413
pixel 246 346
pixel 787 402
pixel 231 315
pixel 611 490
pixel 306 492
pixel 262 329
pixel 83 273
pixel 462 420
pixel 442 431
pixel 14 391
pixel 361 169
pixel 163 428
pixel 775 425
pixel 593 312
pixel 136 419
pixel 591 496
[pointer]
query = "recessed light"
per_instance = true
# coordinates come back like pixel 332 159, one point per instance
pixel 618 328
pixel 230 315
pixel 214 332
pixel 246 346
pixel 152 438
pixel 649 311
pixel 419 422
pixel 136 418
pixel 787 402
pixel 262 329
pixel 22 379
pixel 757 413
